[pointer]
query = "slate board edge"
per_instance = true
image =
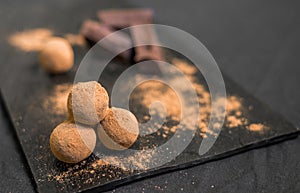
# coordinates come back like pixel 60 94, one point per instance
pixel 158 171
pixel 163 170
pixel 23 154
pixel 171 168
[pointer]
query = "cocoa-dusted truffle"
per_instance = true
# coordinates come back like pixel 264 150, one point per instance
pixel 119 129
pixel 72 143
pixel 57 56
pixel 88 103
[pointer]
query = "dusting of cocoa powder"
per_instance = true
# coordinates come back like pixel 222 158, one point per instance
pixel 57 100
pixel 182 65
pixel 75 39
pixel 256 127
pixel 34 39
pixel 108 167
pixel 151 91
pixel 233 121
pixel 30 40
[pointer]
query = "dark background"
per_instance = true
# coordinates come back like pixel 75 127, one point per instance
pixel 255 42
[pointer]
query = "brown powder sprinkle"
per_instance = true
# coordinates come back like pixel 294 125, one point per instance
pixel 233 121
pixel 30 40
pixel 34 39
pixel 233 104
pixel 105 167
pixel 96 164
pixel 56 102
pixel 151 91
pixel 256 127
pixel 186 69
pixel 137 161
pixel 234 116
pixel 75 39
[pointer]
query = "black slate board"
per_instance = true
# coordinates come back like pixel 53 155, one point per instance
pixel 34 122
pixel 33 129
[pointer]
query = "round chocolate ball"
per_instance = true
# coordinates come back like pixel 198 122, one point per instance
pixel 88 103
pixel 57 56
pixel 72 143
pixel 119 129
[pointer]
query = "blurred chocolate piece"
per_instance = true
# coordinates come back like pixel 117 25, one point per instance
pixel 146 35
pixel 95 31
pixel 122 18
pixel 146 44
pixel 148 48
pixel 147 53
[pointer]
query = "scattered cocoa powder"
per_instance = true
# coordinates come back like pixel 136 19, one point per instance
pixel 106 166
pixel 75 39
pixel 34 39
pixel 233 121
pixel 238 113
pixel 151 91
pixel 30 40
pixel 57 100
pixel 234 116
pixel 256 127
pixel 182 65
pixel 233 104
pixel 140 160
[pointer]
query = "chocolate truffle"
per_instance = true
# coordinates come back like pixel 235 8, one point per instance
pixel 119 129
pixel 56 56
pixel 72 143
pixel 88 103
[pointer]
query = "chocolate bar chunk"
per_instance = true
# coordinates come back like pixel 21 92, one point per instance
pixel 121 18
pixel 95 31
pixel 145 35
pixel 141 35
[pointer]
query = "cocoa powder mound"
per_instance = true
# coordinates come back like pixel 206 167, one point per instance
pixel 152 91
pixel 108 167
pixel 30 40
pixel 57 100
pixel 257 127
pixel 34 39
pixel 75 39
